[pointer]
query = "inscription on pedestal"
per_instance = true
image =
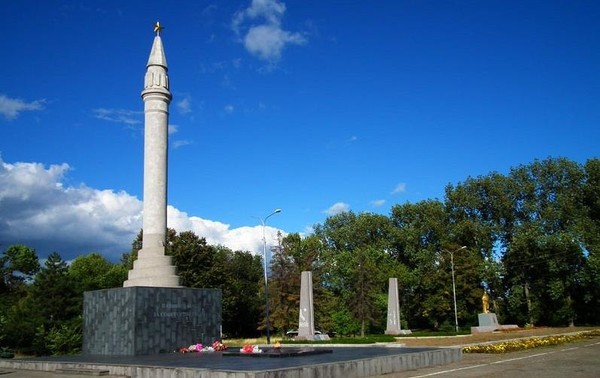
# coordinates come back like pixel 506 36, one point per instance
pixel 171 310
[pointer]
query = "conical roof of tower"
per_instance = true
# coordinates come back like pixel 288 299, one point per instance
pixel 157 55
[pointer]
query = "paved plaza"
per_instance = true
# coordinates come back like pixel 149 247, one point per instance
pixel 347 362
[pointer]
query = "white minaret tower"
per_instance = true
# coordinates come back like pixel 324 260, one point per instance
pixel 153 267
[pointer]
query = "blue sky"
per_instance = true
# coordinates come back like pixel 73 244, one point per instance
pixel 313 107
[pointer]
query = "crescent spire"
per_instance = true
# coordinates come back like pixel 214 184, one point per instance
pixel 158 28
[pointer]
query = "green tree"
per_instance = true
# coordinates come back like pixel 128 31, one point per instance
pixel 421 230
pixel 193 257
pixel 50 302
pixel 93 272
pixel 588 305
pixel 18 265
pixel 86 273
pixel 544 259
pixel 240 283
pixel 481 216
pixel 358 260
pixel 284 284
pixel 363 284
pixel 54 292
pixel 294 255
pixel 22 321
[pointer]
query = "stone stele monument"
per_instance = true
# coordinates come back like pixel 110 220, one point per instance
pixel 393 313
pixel 306 318
pixel 306 322
pixel 151 313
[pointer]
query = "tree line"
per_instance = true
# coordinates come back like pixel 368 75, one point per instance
pixel 41 307
pixel 531 238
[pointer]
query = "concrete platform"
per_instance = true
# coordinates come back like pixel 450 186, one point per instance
pixel 346 362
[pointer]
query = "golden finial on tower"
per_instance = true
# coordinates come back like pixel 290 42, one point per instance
pixel 158 28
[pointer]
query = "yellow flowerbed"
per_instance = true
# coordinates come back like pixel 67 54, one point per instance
pixel 533 342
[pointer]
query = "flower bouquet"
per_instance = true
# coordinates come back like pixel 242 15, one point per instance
pixel 219 346
pixel 191 348
pixel 250 349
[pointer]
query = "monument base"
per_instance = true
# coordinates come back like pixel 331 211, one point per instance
pixel 398 332
pixel 323 337
pixel 488 322
pixel 131 321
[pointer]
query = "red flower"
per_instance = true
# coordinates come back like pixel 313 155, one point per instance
pixel 219 346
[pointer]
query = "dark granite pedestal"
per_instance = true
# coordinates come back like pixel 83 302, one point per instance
pixel 133 321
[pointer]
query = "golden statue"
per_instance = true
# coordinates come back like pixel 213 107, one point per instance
pixel 486 302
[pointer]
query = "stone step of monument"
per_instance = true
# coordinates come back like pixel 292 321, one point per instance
pixel 85 372
pixel 154 261
pixel 154 271
pixel 152 281
pixel 159 271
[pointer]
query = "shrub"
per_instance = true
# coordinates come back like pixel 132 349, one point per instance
pixel 65 338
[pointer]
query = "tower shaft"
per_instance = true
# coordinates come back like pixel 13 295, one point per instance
pixel 153 267
pixel 156 114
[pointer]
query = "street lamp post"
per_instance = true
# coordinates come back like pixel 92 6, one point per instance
pixel 264 222
pixel 454 285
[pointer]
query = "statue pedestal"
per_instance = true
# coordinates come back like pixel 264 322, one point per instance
pixel 488 322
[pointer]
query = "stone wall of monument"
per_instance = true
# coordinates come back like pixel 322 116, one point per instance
pixel 149 320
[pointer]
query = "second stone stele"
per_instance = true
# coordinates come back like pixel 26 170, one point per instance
pixel 306 319
pixel 393 313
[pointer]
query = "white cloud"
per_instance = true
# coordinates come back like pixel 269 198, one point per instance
pixel 400 188
pixel 377 203
pixel 184 106
pixel 336 208
pixel 10 108
pixel 217 233
pixel 180 143
pixel 172 129
pixel 229 109
pixel 39 211
pixel 271 10
pixel 266 40
pixel 128 117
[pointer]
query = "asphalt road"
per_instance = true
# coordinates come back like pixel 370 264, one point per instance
pixel 579 359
